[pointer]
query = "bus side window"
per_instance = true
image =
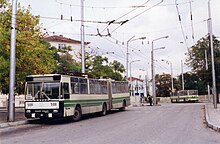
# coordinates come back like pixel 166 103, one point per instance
pixel 66 92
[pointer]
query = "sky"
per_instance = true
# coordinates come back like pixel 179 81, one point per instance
pixel 145 18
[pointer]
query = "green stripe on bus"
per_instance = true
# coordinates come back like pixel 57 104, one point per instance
pixel 72 103
pixel 119 99
pixel 128 97
pixel 92 102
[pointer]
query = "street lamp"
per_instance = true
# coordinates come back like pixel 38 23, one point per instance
pixel 146 79
pixel 130 81
pixel 127 61
pixel 171 68
pixel 131 63
pixel 153 67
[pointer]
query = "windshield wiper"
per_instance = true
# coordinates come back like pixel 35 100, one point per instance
pixel 42 94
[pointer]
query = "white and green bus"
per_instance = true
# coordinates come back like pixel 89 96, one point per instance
pixel 185 96
pixel 57 96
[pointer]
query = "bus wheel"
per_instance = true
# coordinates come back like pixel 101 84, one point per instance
pixel 77 114
pixel 123 107
pixel 104 110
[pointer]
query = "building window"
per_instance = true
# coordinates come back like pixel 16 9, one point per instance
pixel 61 45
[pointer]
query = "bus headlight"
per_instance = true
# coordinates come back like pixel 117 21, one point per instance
pixel 28 111
pixel 55 111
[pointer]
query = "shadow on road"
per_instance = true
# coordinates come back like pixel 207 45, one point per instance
pixel 60 121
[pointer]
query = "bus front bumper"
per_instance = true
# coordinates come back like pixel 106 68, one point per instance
pixel 43 114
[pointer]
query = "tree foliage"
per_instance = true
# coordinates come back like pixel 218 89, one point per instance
pixel 64 61
pixel 193 82
pixel 33 55
pixel 99 68
pixel 196 60
pixel 163 83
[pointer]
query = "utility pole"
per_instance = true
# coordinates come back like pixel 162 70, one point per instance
pixel 182 75
pixel 146 80
pixel 172 83
pixel 11 105
pixel 212 57
pixel 127 59
pixel 82 37
pixel 153 69
pixel 206 66
pixel 171 68
pixel 130 80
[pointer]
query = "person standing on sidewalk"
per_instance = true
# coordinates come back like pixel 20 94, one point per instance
pixel 150 99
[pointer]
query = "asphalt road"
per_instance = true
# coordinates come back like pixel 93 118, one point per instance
pixel 166 124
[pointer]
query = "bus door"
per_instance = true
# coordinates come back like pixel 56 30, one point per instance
pixel 65 90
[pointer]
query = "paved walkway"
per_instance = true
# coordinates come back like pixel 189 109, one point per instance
pixel 212 115
pixel 19 117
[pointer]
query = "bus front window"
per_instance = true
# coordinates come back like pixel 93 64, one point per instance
pixel 44 90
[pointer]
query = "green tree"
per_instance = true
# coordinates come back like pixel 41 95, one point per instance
pixel 117 66
pixel 33 56
pixel 196 60
pixel 98 67
pixel 65 61
pixel 118 69
pixel 193 82
pixel 163 85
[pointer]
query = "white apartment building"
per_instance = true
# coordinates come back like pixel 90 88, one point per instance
pixel 137 86
pixel 61 41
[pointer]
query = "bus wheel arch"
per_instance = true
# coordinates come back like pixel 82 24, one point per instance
pixel 104 109
pixel 123 106
pixel 77 113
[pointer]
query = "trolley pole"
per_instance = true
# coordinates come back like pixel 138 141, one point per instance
pixel 11 104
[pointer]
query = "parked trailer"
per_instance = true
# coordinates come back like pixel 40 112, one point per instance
pixel 185 96
pixel 57 96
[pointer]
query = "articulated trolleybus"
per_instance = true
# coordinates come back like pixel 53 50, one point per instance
pixel 185 96
pixel 57 96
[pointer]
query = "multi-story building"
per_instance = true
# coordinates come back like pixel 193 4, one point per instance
pixel 61 42
pixel 137 86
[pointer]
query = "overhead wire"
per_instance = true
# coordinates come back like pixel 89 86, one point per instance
pixel 125 15
pixel 131 49
pixel 95 35
pixel 117 7
pixel 138 15
pixel 191 18
pixel 88 21
pixel 184 37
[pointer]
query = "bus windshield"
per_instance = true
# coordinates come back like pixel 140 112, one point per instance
pixel 43 90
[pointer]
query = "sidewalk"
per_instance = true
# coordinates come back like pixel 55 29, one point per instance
pixel 212 116
pixel 19 118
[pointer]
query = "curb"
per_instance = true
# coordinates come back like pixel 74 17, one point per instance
pixel 11 124
pixel 208 123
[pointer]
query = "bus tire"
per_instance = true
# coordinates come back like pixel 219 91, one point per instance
pixel 77 114
pixel 104 110
pixel 123 107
